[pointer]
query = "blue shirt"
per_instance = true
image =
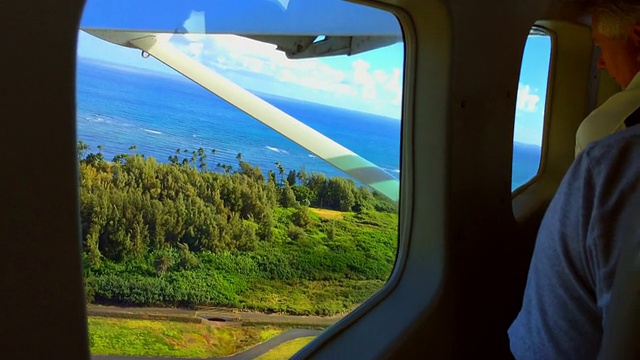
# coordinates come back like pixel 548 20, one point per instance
pixel 574 260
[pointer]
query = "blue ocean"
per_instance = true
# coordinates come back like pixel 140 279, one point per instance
pixel 119 107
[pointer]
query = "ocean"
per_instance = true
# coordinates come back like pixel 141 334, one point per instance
pixel 119 107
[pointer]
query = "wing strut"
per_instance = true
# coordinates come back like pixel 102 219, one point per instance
pixel 158 46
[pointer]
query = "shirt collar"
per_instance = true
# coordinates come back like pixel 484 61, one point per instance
pixel 635 82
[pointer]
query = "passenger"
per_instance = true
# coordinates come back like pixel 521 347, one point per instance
pixel 616 32
pixel 574 260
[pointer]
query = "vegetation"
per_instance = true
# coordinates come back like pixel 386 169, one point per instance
pixel 178 234
pixel 286 350
pixel 173 339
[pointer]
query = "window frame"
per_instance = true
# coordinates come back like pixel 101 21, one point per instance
pixel 405 218
pixel 419 266
pixel 547 109
pixel 571 63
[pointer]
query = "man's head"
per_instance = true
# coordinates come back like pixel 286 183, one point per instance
pixel 616 31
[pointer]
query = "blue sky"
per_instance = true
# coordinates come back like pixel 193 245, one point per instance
pixel 370 82
pixel 532 89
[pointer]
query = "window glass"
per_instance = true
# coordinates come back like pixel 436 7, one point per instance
pixel 209 226
pixel 530 108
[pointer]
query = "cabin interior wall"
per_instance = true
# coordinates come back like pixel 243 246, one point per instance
pixel 471 165
pixel 491 246
pixel 488 48
pixel 42 309
pixel 572 73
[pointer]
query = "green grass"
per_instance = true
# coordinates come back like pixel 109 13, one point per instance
pixel 309 297
pixel 167 338
pixel 328 214
pixel 286 350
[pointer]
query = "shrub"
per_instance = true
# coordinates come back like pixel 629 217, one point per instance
pixel 301 217
pixel 295 233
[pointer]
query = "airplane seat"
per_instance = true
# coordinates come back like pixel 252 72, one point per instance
pixel 621 333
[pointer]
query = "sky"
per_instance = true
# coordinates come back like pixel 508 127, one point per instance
pixel 532 90
pixel 369 82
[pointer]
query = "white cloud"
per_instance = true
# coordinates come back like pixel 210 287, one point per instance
pixel 363 88
pixel 365 81
pixel 380 76
pixel 526 101
pixel 395 86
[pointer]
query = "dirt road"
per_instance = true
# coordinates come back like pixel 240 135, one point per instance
pixel 209 314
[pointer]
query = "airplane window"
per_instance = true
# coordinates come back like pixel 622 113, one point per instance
pixel 530 108
pixel 239 167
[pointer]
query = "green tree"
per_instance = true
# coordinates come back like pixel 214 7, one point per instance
pixel 302 175
pixel 301 217
pixel 120 159
pixel 364 200
pixel 187 259
pixel 338 194
pixel 81 149
pixel 202 160
pixel 291 178
pixel 164 260
pixel 304 195
pixel 272 177
pixel 94 159
pixel 280 171
pixel 287 197
pixel 253 172
pixel 316 183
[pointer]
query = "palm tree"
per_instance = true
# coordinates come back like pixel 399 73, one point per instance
pixel 213 155
pixel 202 159
pixel 193 158
pixel 280 171
pixel 82 148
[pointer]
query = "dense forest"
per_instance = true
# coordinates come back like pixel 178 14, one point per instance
pixel 186 234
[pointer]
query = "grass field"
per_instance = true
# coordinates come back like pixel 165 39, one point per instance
pixel 286 350
pixel 328 214
pixel 167 338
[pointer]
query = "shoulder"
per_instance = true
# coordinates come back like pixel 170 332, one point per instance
pixel 611 166
pixel 619 148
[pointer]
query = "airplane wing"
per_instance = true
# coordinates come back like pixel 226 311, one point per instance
pixel 293 25
pixel 300 28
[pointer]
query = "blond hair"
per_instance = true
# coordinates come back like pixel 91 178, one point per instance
pixel 616 17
